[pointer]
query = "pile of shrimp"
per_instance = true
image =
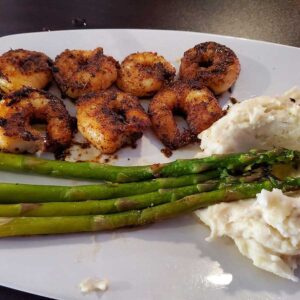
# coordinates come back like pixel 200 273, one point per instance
pixel 107 97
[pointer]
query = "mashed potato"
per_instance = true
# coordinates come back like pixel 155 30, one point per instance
pixel 262 123
pixel 266 230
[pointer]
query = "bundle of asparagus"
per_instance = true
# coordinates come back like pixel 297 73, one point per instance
pixel 195 183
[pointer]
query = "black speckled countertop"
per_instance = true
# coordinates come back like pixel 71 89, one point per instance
pixel 276 21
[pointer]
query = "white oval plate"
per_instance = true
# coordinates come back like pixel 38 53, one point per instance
pixel 170 260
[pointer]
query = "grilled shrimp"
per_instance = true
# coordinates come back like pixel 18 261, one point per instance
pixel 78 72
pixel 23 68
pixel 212 64
pixel 143 74
pixel 18 112
pixel 195 102
pixel 111 119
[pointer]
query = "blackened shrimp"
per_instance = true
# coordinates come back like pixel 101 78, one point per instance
pixel 18 112
pixel 111 119
pixel 78 72
pixel 214 65
pixel 143 74
pixel 23 68
pixel 195 102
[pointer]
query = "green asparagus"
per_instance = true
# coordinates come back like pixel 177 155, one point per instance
pixel 94 207
pixel 19 226
pixel 88 170
pixel 18 193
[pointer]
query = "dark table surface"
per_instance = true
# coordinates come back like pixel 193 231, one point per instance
pixel 275 21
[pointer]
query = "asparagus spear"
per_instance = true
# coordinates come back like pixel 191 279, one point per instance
pixel 90 207
pixel 70 224
pixel 16 193
pixel 89 170
pixel 94 207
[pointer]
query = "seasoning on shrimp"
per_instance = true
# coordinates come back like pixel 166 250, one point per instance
pixel 18 112
pixel 111 119
pixel 211 64
pixel 78 72
pixel 197 103
pixel 143 74
pixel 23 68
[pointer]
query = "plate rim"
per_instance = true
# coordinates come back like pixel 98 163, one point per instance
pixel 149 29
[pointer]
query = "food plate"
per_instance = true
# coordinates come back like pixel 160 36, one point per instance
pixel 170 260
